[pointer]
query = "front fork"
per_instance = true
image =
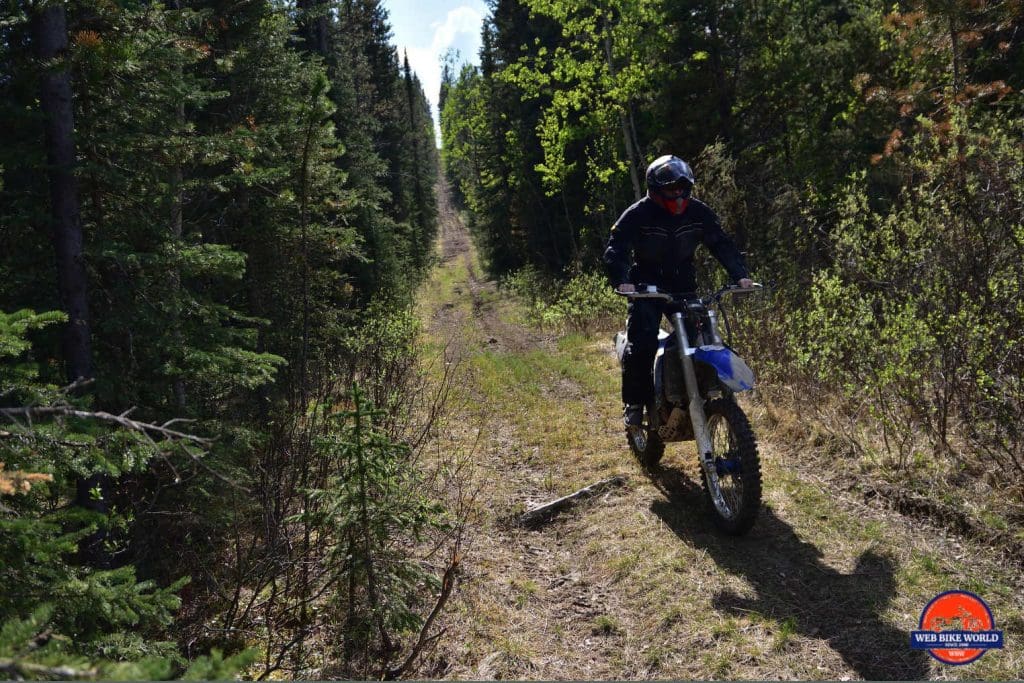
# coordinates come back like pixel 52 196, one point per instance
pixel 700 422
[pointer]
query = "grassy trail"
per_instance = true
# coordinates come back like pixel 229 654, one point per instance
pixel 636 583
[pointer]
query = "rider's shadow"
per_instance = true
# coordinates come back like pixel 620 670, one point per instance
pixel 792 583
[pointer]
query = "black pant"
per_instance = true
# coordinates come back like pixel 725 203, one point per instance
pixel 642 327
pixel 638 361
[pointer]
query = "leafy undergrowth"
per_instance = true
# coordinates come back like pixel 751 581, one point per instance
pixel 636 583
pixel 959 495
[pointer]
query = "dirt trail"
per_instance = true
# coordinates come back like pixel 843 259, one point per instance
pixel 637 584
pixel 456 248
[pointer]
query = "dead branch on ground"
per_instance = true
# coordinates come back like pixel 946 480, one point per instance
pixel 542 513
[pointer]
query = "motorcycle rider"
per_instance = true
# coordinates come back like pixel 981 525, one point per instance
pixel 653 243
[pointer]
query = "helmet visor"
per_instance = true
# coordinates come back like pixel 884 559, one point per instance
pixel 668 172
pixel 680 188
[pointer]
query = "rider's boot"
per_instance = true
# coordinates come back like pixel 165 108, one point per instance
pixel 633 415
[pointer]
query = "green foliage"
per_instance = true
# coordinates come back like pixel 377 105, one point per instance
pixel 605 61
pixel 384 125
pixel 217 667
pixel 371 511
pixel 919 315
pixel 14 343
pixel 247 203
pixel 85 622
pixel 31 650
pixel 381 355
pixel 491 152
pixel 863 156
pixel 13 327
pixel 583 303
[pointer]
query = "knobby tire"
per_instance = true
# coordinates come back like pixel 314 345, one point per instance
pixel 645 443
pixel 724 412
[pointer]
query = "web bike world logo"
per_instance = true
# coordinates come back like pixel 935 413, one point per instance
pixel 956 628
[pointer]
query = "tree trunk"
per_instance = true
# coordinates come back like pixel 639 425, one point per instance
pixel 954 49
pixel 177 231
pixel 627 138
pixel 417 215
pixel 49 32
pixel 178 181
pixel 637 147
pixel 314 25
pixel 634 176
pixel 724 96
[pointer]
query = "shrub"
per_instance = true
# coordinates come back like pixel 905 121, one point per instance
pixel 919 314
pixel 583 303
pixel 60 618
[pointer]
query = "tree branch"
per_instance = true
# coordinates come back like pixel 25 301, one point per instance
pixel 447 585
pixel 542 513
pixel 122 420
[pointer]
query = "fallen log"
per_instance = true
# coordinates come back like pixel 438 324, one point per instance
pixel 542 513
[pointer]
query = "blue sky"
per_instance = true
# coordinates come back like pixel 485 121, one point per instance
pixel 427 28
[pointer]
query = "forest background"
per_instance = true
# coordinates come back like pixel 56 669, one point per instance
pixel 214 216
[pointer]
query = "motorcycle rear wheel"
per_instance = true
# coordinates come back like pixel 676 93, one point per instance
pixel 734 453
pixel 645 443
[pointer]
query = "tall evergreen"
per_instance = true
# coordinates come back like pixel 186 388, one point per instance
pixel 233 229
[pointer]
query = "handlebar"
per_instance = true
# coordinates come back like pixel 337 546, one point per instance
pixel 651 292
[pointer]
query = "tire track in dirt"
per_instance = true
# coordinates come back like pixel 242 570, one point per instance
pixel 515 568
pixel 498 333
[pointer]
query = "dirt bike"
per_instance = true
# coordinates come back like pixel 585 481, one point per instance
pixel 696 374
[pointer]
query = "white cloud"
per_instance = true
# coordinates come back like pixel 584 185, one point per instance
pixel 463 19
pixel 460 29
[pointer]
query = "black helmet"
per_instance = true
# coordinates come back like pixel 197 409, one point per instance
pixel 668 171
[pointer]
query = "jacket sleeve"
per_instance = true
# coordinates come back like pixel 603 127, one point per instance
pixel 723 248
pixel 617 253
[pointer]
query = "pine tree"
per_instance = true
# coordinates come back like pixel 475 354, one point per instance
pixel 255 188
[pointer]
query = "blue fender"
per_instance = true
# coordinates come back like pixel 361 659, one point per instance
pixel 732 370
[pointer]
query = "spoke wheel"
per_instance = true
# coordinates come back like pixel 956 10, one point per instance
pixel 734 496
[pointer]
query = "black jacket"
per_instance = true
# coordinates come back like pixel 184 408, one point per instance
pixel 662 246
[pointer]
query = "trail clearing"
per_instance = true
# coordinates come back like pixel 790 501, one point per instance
pixel 635 582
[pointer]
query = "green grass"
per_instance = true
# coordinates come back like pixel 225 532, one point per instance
pixel 922 570
pixel 606 625
pixel 785 632
pixel 525 591
pixel 728 629
pixel 624 566
pixel 655 655
pixel 718 665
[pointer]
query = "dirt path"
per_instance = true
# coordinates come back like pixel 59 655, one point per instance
pixel 637 584
pixel 457 252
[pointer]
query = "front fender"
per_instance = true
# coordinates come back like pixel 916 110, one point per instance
pixel 732 371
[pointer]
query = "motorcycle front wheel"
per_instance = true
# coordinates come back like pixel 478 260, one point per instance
pixel 735 498
pixel 645 443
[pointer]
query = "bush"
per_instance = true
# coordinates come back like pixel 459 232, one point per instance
pixel 919 315
pixel 581 304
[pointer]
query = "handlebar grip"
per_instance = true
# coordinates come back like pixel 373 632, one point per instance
pixel 645 295
pixel 736 289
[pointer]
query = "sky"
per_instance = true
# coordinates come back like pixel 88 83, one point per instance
pixel 427 28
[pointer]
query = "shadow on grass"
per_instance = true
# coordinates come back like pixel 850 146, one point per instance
pixel 792 583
